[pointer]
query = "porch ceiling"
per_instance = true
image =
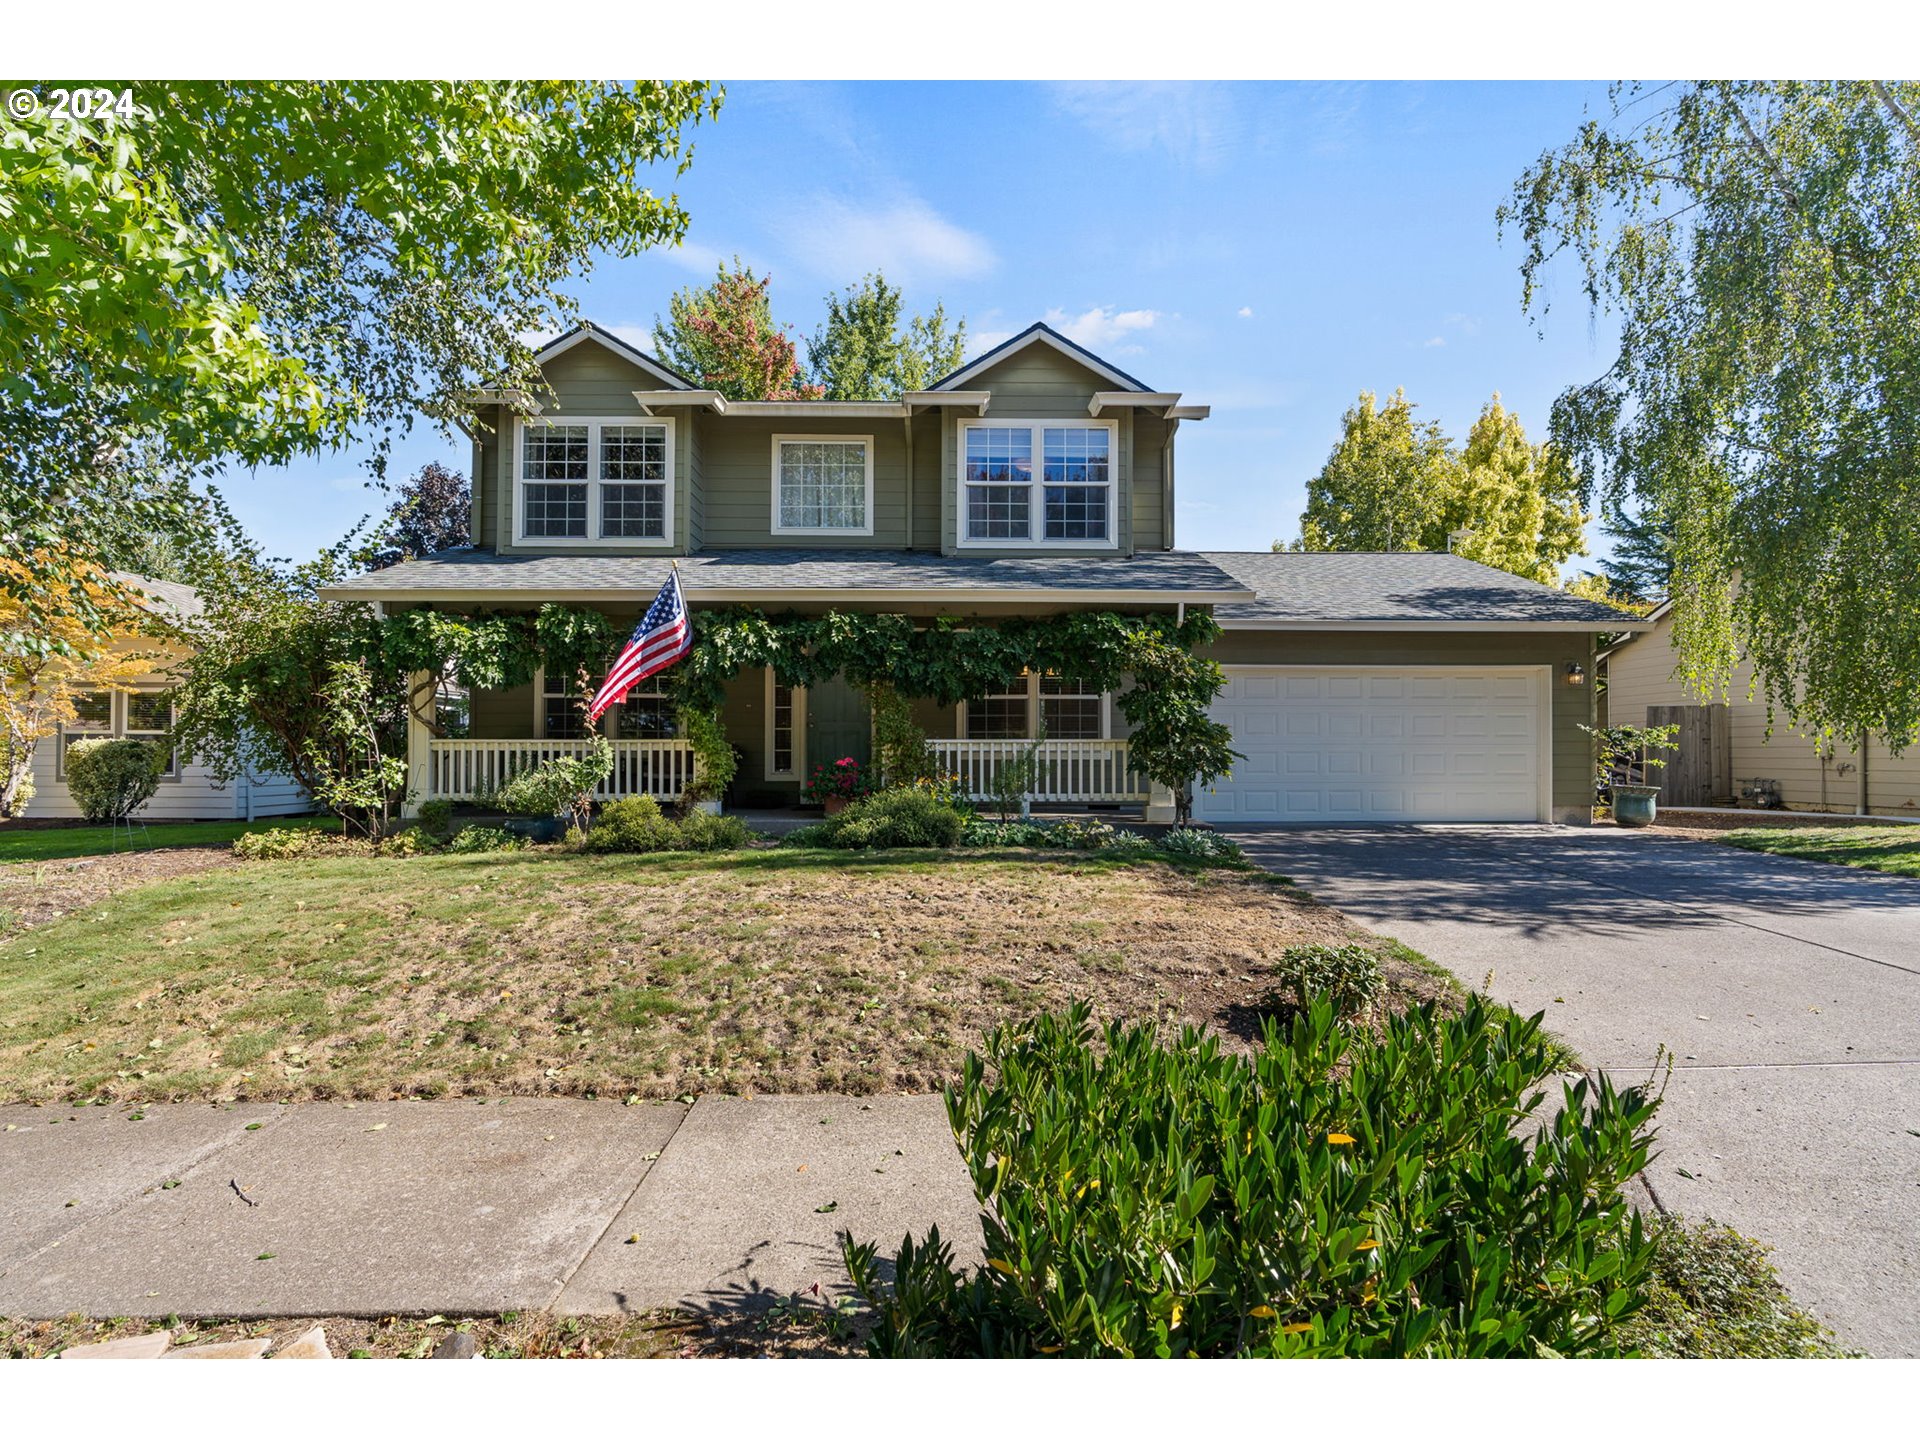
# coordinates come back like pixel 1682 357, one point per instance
pixel 762 576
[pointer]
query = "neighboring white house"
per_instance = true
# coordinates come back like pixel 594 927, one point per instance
pixel 188 790
pixel 1839 779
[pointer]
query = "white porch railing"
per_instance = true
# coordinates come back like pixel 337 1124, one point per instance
pixel 461 769
pixel 1085 770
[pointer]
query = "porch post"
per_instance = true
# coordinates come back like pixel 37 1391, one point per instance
pixel 419 740
pixel 1160 806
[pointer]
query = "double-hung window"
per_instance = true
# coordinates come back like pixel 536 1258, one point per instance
pixel 646 713
pixel 823 484
pixel 1038 483
pixel 594 481
pixel 149 717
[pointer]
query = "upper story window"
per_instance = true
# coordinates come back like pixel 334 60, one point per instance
pixel 823 484
pixel 1066 499
pixel 594 481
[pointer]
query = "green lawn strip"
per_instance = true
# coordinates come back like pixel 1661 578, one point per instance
pixel 71 842
pixel 1891 849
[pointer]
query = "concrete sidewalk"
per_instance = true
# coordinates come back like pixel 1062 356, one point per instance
pixel 1788 994
pixel 460 1206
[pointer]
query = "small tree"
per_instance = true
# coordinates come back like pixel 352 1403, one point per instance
pixel 434 512
pixel 865 352
pixel 1628 755
pixel 57 643
pixel 725 336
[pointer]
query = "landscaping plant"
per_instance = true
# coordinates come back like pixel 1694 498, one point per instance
pixel 637 826
pixel 110 779
pixel 1346 977
pixel 842 779
pixel 1345 1193
pixel 904 816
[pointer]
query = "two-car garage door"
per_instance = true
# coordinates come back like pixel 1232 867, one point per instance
pixel 1413 743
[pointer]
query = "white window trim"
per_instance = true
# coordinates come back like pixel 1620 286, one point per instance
pixel 594 424
pixel 608 724
pixel 799 769
pixel 1033 716
pixel 866 504
pixel 1036 508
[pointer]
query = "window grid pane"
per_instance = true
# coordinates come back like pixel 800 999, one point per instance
pixel 999 475
pixel 634 452
pixel 998 717
pixel 1075 463
pixel 633 510
pixel 783 729
pixel 823 485
pixel 556 510
pixel 92 711
pixel 555 452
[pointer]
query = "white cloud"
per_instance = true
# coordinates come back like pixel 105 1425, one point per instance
pixel 1465 324
pixel 1194 122
pixel 908 239
pixel 1245 312
pixel 638 336
pixel 1433 342
pixel 981 341
pixel 703 260
pixel 1103 329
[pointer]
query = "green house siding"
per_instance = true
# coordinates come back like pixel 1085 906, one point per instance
pixel 1572 790
pixel 736 481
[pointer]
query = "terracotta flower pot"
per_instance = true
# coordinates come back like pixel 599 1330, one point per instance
pixel 834 804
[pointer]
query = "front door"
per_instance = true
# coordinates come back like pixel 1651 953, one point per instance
pixel 837 724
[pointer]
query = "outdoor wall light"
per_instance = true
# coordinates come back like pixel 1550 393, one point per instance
pixel 1576 673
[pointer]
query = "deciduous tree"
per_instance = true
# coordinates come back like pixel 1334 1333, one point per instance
pixel 249 272
pixel 725 337
pixel 433 512
pixel 864 351
pixel 1759 244
pixel 41 684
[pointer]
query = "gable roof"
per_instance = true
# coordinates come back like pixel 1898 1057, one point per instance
pixel 1422 590
pixel 586 330
pixel 161 596
pixel 1038 333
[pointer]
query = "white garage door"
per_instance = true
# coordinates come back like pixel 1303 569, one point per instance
pixel 1402 744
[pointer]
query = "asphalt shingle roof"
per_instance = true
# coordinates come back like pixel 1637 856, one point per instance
pixel 1315 587
pixel 784 570
pixel 161 596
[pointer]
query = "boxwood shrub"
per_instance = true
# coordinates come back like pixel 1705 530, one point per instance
pixel 1345 1193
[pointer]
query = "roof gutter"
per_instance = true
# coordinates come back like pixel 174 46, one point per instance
pixel 1605 627
pixel 696 594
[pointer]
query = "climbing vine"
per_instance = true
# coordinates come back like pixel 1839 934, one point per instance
pixel 1161 686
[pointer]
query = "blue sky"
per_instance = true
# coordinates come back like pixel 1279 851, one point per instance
pixel 1270 250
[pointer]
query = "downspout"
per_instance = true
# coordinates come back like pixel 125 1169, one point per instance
pixel 1863 805
pixel 906 426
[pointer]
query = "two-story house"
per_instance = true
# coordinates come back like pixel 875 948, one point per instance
pixel 1037 478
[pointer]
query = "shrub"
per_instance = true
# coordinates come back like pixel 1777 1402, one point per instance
pixel 907 816
pixel 1713 1296
pixel 414 841
pixel 699 830
pixel 1207 846
pixel 636 826
pixel 1344 1194
pixel 280 842
pixel 805 837
pixel 436 818
pixel 110 779
pixel 1346 977
pixel 478 839
pixel 560 787
pixel 996 833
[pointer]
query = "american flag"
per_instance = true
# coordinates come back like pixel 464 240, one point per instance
pixel 662 637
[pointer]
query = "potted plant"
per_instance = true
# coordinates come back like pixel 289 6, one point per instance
pixel 833 786
pixel 1625 758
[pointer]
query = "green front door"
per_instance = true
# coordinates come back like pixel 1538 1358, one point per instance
pixel 837 724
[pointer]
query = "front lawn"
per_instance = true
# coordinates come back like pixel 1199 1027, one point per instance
pixel 553 973
pixel 20 843
pixel 1894 849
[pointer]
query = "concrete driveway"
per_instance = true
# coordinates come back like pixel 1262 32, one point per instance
pixel 1788 993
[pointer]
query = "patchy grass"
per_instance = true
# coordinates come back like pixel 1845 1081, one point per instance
pixel 790 1329
pixel 1892 849
pixel 1713 1296
pixel 558 974
pixel 21 844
